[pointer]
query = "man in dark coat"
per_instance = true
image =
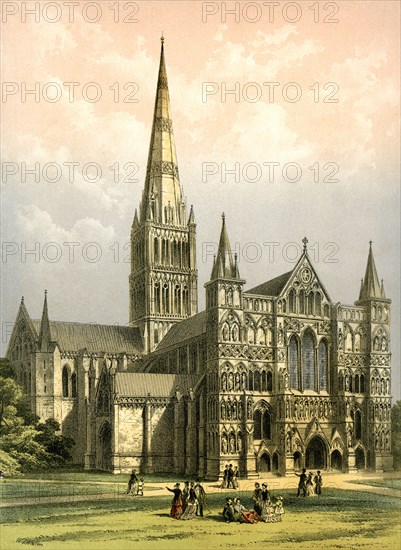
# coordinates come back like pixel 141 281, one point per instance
pixel 228 512
pixel 257 499
pixel 230 477
pixel 201 498
pixel 302 483
pixel 318 483
pixel 225 478
pixel 132 483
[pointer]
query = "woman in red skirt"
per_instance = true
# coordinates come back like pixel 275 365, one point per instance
pixel 176 505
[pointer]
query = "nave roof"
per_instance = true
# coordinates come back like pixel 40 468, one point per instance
pixel 94 337
pixel 138 384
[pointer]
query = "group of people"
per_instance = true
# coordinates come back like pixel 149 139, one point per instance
pixel 188 502
pixel 135 485
pixel 264 509
pixel 230 477
pixel 309 485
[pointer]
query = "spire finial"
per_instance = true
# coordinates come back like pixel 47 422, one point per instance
pixel 370 243
pixel 162 38
pixel 305 241
pixel 22 300
pixel 223 216
pixel 45 292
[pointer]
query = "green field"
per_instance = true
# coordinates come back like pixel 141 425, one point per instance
pixel 390 483
pixel 15 490
pixel 339 519
pixel 87 476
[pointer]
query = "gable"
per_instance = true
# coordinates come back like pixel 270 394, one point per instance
pixel 304 277
pixel 23 334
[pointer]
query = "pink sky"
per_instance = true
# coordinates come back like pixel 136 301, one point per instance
pixel 360 133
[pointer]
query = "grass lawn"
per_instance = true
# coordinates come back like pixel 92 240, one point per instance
pixel 391 483
pixel 99 477
pixel 14 489
pixel 339 519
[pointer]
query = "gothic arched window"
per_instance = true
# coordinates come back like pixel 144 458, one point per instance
pixel 156 250
pixel 269 381
pixel 322 355
pixel 310 303
pixel 267 432
pixel 262 423
pixel 64 381
pixel 308 361
pixel 291 301
pixel 358 424
pixel 318 304
pixel 73 385
pixel 302 302
pixel 362 383
pixel 257 424
pixel 293 363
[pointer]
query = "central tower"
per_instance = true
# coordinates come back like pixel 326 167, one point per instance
pixel 163 279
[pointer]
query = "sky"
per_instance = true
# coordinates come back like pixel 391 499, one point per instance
pixel 286 117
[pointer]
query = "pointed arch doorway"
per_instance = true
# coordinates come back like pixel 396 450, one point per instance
pixel 265 463
pixel 105 447
pixel 316 456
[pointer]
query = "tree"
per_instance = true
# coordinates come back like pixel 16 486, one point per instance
pixel 396 433
pixel 56 445
pixel 25 443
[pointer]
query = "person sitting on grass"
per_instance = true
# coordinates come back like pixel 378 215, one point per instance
pixel 228 510
pixel 243 515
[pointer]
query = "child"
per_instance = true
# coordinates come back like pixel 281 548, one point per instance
pixel 139 490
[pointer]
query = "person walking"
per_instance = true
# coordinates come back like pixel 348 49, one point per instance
pixel 201 498
pixel 302 483
pixel 225 478
pixel 230 477
pixel 132 483
pixel 176 505
pixel 318 483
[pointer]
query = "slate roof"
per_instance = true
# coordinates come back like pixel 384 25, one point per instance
pixel 94 338
pixel 185 330
pixel 272 287
pixel 138 384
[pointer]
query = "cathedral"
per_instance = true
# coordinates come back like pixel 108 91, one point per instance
pixel 270 379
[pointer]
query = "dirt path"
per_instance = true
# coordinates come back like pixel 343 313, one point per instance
pixel 339 481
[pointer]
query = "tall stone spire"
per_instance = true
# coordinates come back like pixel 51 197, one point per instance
pixel 371 286
pixel 162 199
pixel 163 280
pixel 44 334
pixel 225 265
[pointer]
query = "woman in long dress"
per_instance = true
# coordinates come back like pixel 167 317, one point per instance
pixel 243 515
pixel 265 503
pixel 191 505
pixel 310 490
pixel 279 508
pixel 176 505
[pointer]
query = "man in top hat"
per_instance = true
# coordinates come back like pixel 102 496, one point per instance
pixel 302 483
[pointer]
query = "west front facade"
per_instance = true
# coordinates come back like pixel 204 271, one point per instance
pixel 273 378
